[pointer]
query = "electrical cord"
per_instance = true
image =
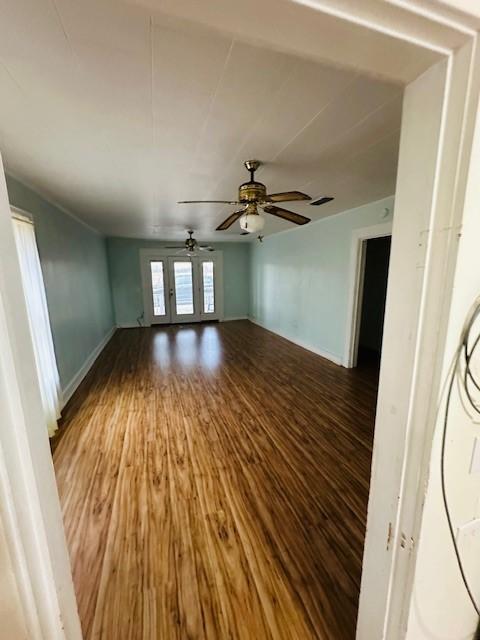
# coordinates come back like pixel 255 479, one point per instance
pixel 468 376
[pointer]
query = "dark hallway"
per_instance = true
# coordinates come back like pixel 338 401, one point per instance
pixel 377 259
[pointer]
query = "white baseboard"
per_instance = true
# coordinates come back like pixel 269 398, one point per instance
pixel 74 383
pixel 300 343
pixel 135 325
pixel 231 318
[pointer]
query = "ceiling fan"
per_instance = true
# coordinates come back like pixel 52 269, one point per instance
pixel 253 196
pixel 191 245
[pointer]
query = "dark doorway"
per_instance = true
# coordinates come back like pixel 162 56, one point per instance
pixel 377 257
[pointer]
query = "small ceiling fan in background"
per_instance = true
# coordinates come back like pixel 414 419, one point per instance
pixel 253 196
pixel 191 245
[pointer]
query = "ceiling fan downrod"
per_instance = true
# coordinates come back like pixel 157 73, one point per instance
pixel 251 166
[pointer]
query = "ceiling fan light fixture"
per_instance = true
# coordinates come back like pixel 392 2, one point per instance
pixel 252 222
pixel 253 194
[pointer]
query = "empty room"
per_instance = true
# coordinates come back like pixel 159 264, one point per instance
pixel 239 314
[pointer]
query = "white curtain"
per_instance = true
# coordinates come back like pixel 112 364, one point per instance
pixel 34 290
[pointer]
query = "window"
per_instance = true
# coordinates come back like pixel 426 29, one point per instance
pixel 158 288
pixel 208 287
pixel 183 275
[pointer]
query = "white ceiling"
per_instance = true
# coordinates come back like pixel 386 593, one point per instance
pixel 117 111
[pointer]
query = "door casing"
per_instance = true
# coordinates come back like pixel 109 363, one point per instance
pixel 437 28
pixel 167 256
pixel 357 270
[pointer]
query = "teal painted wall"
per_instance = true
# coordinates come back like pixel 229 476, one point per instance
pixel 300 278
pixel 75 271
pixel 296 283
pixel 126 281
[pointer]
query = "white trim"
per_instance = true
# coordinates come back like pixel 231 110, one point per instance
pixel 21 214
pixel 32 518
pixel 355 291
pixel 431 15
pixel 373 24
pixel 147 254
pixel 17 555
pixel 439 110
pixel 300 343
pixel 54 203
pixel 75 382
pixel 455 142
pixel 232 318
pixel 132 325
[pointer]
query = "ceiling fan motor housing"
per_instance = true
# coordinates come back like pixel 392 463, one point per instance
pixel 252 192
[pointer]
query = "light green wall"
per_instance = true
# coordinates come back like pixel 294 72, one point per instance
pixel 296 283
pixel 126 282
pixel 75 271
pixel 300 278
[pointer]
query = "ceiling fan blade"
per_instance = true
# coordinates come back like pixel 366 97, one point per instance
pixel 287 196
pixel 296 218
pixel 178 247
pixel 209 202
pixel 245 233
pixel 203 248
pixel 230 220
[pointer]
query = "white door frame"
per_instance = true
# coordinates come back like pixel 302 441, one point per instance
pixel 29 509
pixel 147 255
pixel 184 318
pixel 397 487
pixel 355 295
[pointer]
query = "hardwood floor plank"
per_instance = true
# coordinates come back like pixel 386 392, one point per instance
pixel 214 482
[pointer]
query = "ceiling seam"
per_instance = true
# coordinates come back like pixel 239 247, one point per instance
pixel 12 78
pixel 75 58
pixel 348 83
pixel 257 121
pixel 352 128
pixel 65 33
pixel 212 102
pixel 312 120
pixel 152 115
pixel 368 149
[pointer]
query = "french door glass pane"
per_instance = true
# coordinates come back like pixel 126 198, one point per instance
pixel 183 287
pixel 158 288
pixel 208 288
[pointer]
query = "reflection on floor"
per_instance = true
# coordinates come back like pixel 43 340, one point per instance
pixel 214 482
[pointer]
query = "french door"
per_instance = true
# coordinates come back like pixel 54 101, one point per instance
pixel 184 290
pixel 181 289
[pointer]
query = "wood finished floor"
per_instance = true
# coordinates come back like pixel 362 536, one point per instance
pixel 214 483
